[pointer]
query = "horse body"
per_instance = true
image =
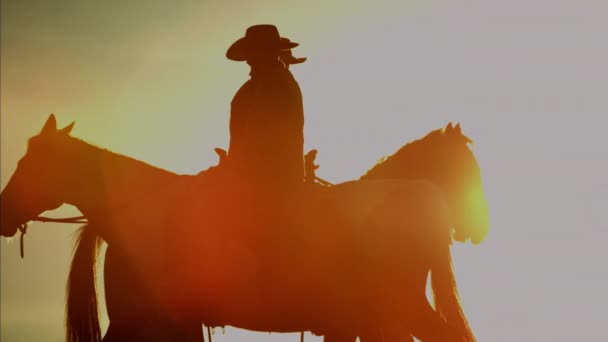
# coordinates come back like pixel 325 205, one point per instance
pixel 207 249
pixel 288 276
pixel 255 274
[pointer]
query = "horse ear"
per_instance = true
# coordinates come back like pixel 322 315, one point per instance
pixel 50 126
pixel 67 129
pixel 458 129
pixel 449 127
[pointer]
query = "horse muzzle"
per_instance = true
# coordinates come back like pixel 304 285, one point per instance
pixel 10 220
pixel 8 228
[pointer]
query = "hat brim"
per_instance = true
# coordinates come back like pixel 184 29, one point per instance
pixel 294 60
pixel 241 49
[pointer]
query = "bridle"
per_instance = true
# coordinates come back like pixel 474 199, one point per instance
pixel 23 227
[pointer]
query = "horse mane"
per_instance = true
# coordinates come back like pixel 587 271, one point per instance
pixel 92 154
pixel 394 165
pixel 399 164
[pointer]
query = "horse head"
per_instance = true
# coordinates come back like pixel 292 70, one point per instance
pixel 461 178
pixel 38 182
pixel 444 157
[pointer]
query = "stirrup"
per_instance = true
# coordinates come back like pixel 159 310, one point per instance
pixel 310 167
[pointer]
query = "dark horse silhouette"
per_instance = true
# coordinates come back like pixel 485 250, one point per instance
pixel 346 261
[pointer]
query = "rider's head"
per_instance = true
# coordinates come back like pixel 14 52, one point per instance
pixel 262 44
pixel 262 57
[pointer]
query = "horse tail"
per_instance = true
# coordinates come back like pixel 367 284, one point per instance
pixel 82 318
pixel 445 293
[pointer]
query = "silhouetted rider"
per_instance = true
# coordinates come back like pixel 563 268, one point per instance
pixel 267 116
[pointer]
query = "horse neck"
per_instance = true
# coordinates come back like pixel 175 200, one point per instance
pixel 104 180
pixel 410 162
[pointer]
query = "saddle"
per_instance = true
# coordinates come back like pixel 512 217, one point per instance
pixel 311 193
pixel 310 176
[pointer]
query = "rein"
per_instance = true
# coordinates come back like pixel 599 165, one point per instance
pixel 310 157
pixel 23 228
pixel 82 219
pixel 75 219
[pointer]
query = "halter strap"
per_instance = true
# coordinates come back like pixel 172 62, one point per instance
pixel 82 219
pixel 23 228
pixel 74 219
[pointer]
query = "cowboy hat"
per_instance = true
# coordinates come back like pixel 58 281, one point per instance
pixel 258 37
pixel 288 58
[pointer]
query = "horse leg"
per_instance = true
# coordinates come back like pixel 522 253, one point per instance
pixel 114 334
pixel 132 330
pixel 371 334
pixel 188 332
pixel 133 313
pixel 410 314
pixel 165 329
pixel 427 325
pixel 339 337
pixel 382 323
pixel 387 334
pixel 121 332
pixel 161 330
pixel 389 329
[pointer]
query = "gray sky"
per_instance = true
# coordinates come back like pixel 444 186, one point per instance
pixel 528 80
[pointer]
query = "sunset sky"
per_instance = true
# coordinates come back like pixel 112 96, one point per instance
pixel 527 79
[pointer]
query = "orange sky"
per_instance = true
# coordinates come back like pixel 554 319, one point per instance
pixel 527 79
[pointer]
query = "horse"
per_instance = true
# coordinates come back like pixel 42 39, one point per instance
pixel 404 164
pixel 191 279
